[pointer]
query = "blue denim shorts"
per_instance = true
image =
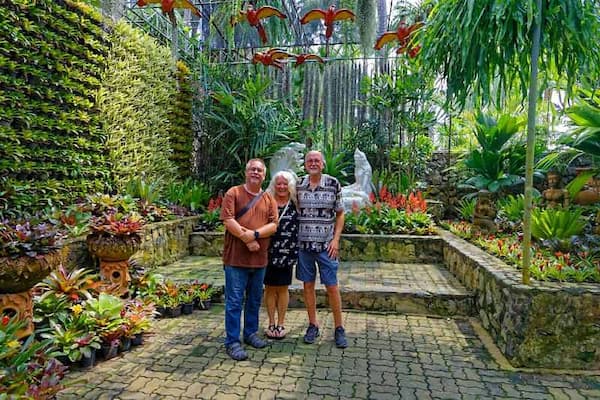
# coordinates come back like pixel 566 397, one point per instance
pixel 306 270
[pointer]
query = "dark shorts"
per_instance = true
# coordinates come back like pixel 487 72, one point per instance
pixel 307 267
pixel 278 276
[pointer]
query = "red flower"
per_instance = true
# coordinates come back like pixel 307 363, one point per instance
pixel 5 320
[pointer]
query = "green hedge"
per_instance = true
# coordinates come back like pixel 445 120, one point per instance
pixel 136 97
pixel 51 56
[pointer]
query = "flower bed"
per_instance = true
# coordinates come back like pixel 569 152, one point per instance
pixel 546 265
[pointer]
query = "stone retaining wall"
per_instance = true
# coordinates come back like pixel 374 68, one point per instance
pixel 546 324
pixel 387 248
pixel 391 248
pixel 162 243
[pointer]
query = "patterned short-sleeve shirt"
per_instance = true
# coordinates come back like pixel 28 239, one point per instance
pixel 318 207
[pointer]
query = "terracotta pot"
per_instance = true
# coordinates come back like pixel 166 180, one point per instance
pixel 21 274
pixel 113 248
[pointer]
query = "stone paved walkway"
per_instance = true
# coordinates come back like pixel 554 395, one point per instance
pixel 357 275
pixel 390 357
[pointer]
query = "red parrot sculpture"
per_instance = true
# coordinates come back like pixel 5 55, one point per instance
pixel 328 17
pixel 302 58
pixel 402 35
pixel 271 57
pixel 168 6
pixel 254 18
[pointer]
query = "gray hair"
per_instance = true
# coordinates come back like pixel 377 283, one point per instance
pixel 291 180
pixel 319 153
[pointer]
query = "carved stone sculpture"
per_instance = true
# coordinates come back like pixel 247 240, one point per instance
pixel 358 193
pixel 288 158
pixel 554 196
pixel 485 212
pixel 21 305
pixel 116 273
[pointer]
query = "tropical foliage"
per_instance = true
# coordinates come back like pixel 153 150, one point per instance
pixel 135 107
pixel 52 57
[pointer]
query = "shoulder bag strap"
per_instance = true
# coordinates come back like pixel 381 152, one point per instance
pixel 248 206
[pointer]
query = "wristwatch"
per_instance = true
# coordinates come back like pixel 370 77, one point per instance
pixel 256 235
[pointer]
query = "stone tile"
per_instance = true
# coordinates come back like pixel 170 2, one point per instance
pixel 428 358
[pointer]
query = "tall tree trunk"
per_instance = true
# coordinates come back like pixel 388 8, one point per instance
pixel 531 118
pixel 381 17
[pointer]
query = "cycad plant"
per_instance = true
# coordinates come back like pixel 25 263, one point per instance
pixel 555 227
pixel 491 162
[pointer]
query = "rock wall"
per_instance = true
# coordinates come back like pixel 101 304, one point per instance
pixel 162 243
pixel 546 324
pixel 442 182
pixel 391 248
pixel 387 248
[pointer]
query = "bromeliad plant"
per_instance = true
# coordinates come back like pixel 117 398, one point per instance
pixel 30 238
pixel 210 219
pixel 27 369
pixel 392 214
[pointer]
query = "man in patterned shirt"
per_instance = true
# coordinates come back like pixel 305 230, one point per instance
pixel 321 222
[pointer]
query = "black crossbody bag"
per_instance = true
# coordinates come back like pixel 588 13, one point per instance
pixel 248 206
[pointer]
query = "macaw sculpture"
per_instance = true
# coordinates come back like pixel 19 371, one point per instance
pixel 254 18
pixel 302 58
pixel 168 6
pixel 271 57
pixel 403 35
pixel 328 17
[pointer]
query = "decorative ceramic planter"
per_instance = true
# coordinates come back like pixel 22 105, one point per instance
pixel 113 248
pixel 21 274
pixel 17 277
pixel 113 253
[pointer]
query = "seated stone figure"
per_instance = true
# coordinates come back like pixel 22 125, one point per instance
pixel 485 212
pixel 288 158
pixel 554 196
pixel 358 193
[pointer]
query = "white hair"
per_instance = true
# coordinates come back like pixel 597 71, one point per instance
pixel 291 180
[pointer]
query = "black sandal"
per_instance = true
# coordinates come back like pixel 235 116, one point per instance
pixel 271 332
pixel 280 332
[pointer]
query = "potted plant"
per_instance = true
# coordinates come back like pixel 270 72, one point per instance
pixel 115 236
pixel 204 293
pixel 138 316
pixel 28 368
pixel 169 299
pixel 186 296
pixel 74 343
pixel 29 251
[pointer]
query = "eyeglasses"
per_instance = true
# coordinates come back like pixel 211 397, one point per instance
pixel 317 161
pixel 255 169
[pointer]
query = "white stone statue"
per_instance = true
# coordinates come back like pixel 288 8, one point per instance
pixel 288 158
pixel 358 193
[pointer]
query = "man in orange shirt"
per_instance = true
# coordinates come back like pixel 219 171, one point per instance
pixel 250 218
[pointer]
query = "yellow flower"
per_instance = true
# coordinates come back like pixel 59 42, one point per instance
pixel 77 309
pixel 13 344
